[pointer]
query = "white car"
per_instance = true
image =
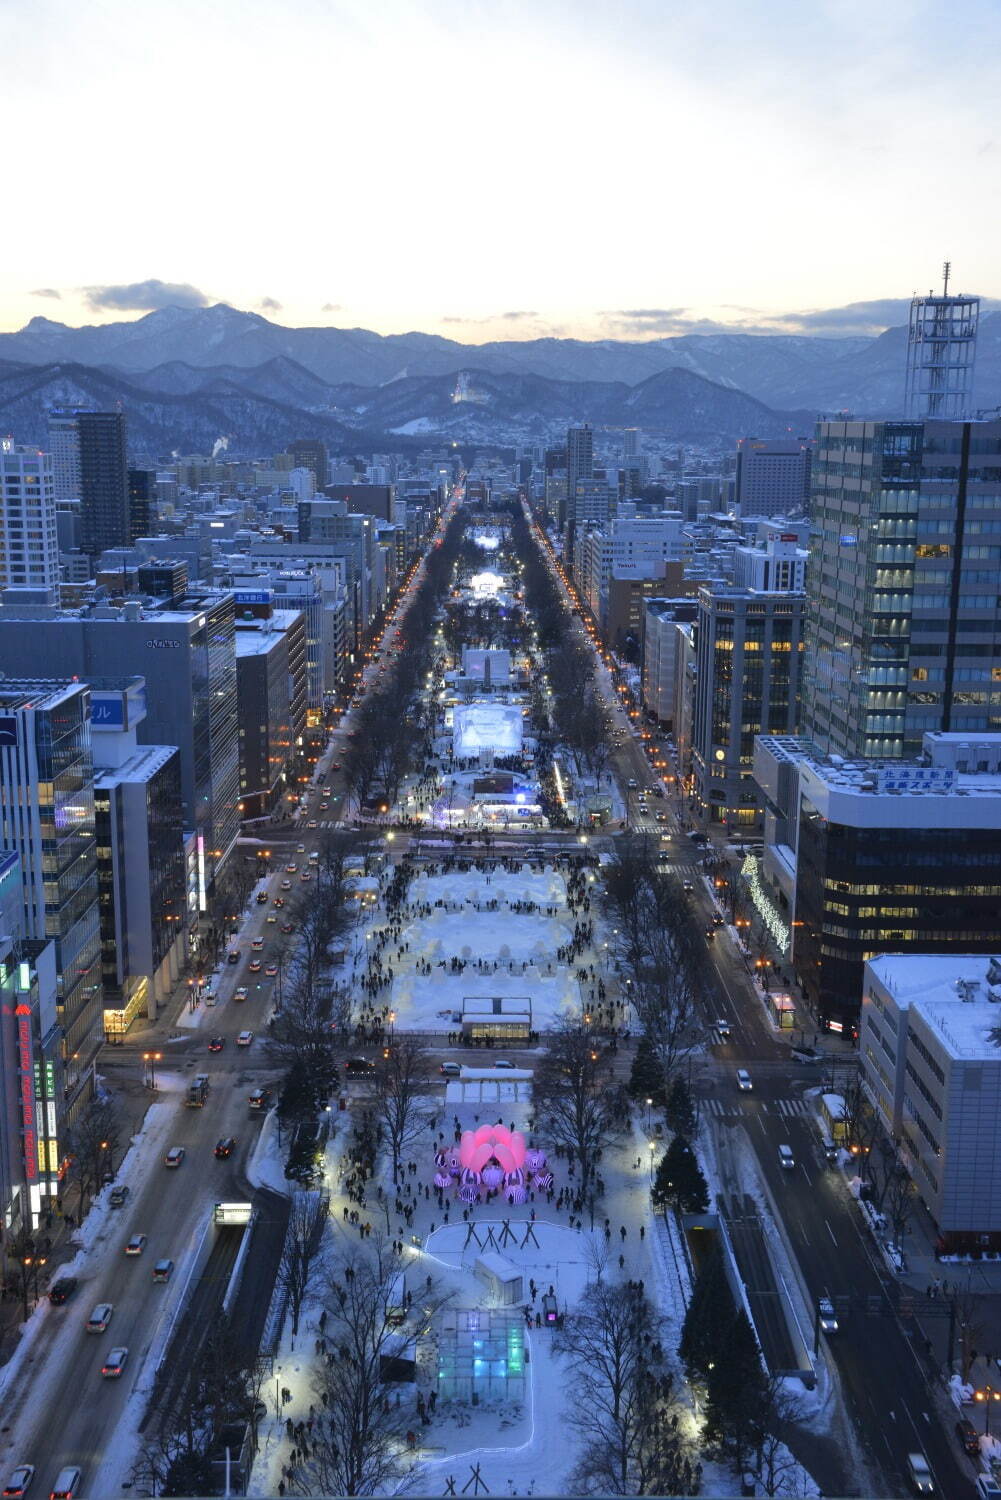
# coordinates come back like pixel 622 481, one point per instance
pixel 744 1081
pixel 115 1363
pixel 245 1038
pixel 723 1027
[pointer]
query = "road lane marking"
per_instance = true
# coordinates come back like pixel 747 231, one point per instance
pixel 830 1231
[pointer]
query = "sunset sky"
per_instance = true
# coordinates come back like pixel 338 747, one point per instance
pixel 497 168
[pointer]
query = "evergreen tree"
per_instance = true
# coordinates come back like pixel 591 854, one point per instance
pixel 679 1182
pixel 708 1319
pixel 737 1391
pixel 646 1080
pixel 679 1110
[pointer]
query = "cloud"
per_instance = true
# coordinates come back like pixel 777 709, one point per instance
pixel 47 291
pixel 512 317
pixel 659 320
pixel 854 320
pixel 145 296
pixel 332 307
pixel 269 304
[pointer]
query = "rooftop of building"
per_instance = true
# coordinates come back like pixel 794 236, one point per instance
pixel 36 692
pixel 257 637
pixel 144 764
pixel 952 992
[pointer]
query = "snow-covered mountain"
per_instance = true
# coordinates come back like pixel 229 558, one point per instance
pixel 783 370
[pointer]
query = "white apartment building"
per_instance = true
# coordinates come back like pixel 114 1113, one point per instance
pixel 29 544
pixel 932 1068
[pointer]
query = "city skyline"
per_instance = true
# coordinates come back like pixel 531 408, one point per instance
pixel 414 175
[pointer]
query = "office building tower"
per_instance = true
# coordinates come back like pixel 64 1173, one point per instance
pixel 749 663
pixel 580 457
pixel 142 502
pixel 632 444
pixel 29 542
pixel 31 1113
pixel 941 353
pixel 871 856
pixel 88 448
pixel 309 453
pixel 186 653
pixel 271 704
pixel 903 633
pixel 773 476
pixel 47 817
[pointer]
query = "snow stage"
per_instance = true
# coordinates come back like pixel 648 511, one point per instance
pixel 497 727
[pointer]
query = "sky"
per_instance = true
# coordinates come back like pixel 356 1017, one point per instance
pixel 500 168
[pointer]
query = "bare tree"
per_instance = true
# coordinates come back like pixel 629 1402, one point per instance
pixel 402 1105
pixel 572 1097
pixel 308 1034
pixel 298 1266
pixel 93 1140
pixel 357 1439
pixel 623 1399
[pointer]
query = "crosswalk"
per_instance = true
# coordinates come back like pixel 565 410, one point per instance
pixel 724 1109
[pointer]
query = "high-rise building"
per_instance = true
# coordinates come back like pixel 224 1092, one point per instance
pixel 47 817
pixel 749 660
pixel 903 632
pixel 89 448
pixel 187 655
pixel 580 457
pixel 773 476
pixel 142 502
pixel 310 453
pixel 632 443
pixel 31 1113
pixel 29 543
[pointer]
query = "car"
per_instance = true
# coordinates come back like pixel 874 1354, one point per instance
pixel 260 1098
pixel 723 1027
pixel 271 971
pixel 301 848
pixel 710 934
pixel 163 1270
pixel 291 869
pixel 279 902
pixel 688 886
pixel 744 1081
pixel 174 1156
pixel 217 1043
pixel 786 1159
pixel 100 1317
pixel 324 806
pixel 502 1062
pixel 632 783
pixel 827 1316
pixel 136 1245
pixel 335 765
pixel 115 1362
pixel 62 1290
pixel 224 1147
pixel 305 876
pixel 19 1482
pixel 233 956
pixel 286 885
pixel 968 1436
pixel 262 898
pixel 245 1038
pixel 119 1195
pixel 312 824
pixel 807 1055
pixel 718 919
pixel 358 1067
pixel 255 966
pixel 287 927
pixel 257 944
pixel 67 1484
pixel 919 1474
pixel 271 919
pixel 450 1069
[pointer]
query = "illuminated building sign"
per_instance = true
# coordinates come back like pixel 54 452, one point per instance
pixel 26 1069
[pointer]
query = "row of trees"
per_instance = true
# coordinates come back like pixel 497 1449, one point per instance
pixel 383 746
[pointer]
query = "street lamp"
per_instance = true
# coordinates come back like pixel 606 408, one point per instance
pixel 652 1149
pixel 649 1106
pixel 150 1060
pixel 987 1395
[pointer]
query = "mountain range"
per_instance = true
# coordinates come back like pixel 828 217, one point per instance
pixel 188 375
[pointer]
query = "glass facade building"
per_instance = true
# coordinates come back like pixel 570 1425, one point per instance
pixel 904 622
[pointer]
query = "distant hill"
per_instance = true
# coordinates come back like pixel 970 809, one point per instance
pixel 177 406
pixel 784 371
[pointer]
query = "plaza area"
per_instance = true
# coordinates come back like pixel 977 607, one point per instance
pixel 507 937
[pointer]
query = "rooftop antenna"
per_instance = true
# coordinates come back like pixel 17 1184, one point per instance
pixel 947 267
pixel 941 352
